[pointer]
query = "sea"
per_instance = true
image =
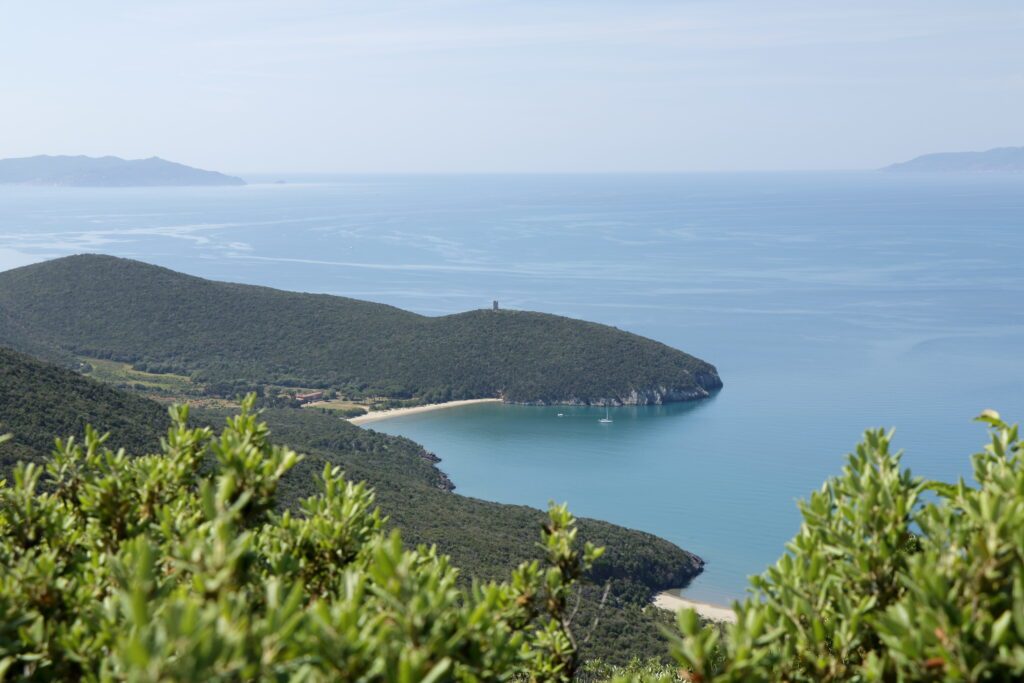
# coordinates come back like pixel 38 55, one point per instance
pixel 830 303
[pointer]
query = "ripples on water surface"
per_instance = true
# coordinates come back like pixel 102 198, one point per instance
pixel 829 303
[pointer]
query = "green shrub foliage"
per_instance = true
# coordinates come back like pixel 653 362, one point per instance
pixel 890 578
pixel 178 566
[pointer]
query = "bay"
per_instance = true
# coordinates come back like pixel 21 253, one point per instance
pixel 830 302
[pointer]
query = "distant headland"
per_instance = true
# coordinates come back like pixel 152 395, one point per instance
pixel 230 337
pixel 998 160
pixel 83 171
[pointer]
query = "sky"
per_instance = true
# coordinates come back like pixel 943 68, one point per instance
pixel 451 86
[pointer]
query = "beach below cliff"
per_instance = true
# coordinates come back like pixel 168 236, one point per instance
pixel 378 415
pixel 674 602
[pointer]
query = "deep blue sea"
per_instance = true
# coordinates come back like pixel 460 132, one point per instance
pixel 830 302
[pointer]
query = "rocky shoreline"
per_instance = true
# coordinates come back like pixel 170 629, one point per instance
pixel 706 385
pixel 444 482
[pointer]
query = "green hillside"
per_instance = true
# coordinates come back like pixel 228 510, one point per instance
pixel 228 336
pixel 13 335
pixel 40 401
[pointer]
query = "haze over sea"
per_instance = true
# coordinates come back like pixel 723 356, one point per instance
pixel 830 302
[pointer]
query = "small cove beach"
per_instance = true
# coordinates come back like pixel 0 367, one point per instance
pixel 378 415
pixel 672 601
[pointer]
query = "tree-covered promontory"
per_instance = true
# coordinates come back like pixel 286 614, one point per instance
pixel 227 335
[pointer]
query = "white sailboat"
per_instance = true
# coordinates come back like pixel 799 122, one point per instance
pixel 607 417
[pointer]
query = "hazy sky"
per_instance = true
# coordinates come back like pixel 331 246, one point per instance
pixel 524 85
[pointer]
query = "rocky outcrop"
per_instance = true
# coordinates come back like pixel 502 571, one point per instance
pixel 705 384
pixel 443 482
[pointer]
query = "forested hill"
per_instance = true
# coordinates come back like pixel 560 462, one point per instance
pixel 486 540
pixel 39 401
pixel 228 334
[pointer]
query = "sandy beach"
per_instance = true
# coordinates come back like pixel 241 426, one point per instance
pixel 378 415
pixel 671 601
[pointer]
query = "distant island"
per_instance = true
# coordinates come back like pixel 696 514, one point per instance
pixel 83 171
pixel 998 160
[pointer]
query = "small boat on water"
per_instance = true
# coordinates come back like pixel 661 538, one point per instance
pixel 607 417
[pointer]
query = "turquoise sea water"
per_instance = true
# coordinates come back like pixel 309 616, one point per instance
pixel 830 302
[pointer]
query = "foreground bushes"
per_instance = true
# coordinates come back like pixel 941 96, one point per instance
pixel 176 566
pixel 886 582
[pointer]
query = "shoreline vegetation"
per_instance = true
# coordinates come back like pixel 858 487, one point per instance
pixel 378 415
pixel 672 601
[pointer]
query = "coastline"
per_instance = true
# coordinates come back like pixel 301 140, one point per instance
pixel 379 415
pixel 673 602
